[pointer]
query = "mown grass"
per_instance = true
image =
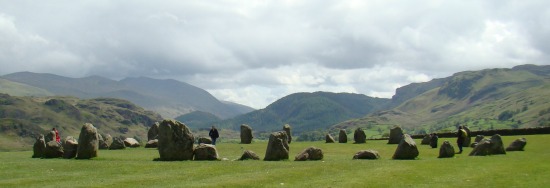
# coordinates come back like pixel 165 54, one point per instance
pixel 136 168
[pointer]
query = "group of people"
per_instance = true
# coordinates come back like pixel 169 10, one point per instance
pixel 461 136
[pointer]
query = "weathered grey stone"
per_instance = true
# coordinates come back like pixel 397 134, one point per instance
pixel 426 140
pixel 468 139
pixel 406 149
pixel 153 132
pixel 131 142
pixel 396 135
pixel 277 147
pixel 447 150
pixel 53 150
pixel 359 136
pixel 342 136
pixel 367 154
pixel 70 147
pixel 50 136
pixel 206 152
pixel 477 140
pixel 88 142
pixel 329 138
pixel 152 143
pixel 204 140
pixel 118 143
pixel 175 141
pixel 310 153
pixel 39 147
pixel 105 141
pixel 517 145
pixel 247 154
pixel 246 134
pixel 287 129
pixel 493 146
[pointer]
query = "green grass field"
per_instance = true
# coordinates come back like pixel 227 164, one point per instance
pixel 136 168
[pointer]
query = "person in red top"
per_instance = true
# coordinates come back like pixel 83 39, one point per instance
pixel 57 138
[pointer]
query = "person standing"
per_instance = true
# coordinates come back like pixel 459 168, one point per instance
pixel 461 136
pixel 213 135
pixel 57 138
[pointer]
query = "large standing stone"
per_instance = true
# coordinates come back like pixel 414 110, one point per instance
pixel 105 141
pixel 396 135
pixel 329 138
pixel 246 134
pixel 206 152
pixel 50 136
pixel 88 142
pixel 118 143
pixel 517 145
pixel 367 154
pixel 406 149
pixel 247 154
pixel 277 147
pixel 287 128
pixel 477 140
pixel 447 150
pixel 468 139
pixel 152 143
pixel 204 140
pixel 342 136
pixel 53 150
pixel 70 147
pixel 39 147
pixel 426 140
pixel 131 142
pixel 359 136
pixel 153 132
pixel 311 153
pixel 491 146
pixel 175 141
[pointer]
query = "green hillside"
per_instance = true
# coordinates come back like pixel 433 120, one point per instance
pixel 23 118
pixel 486 99
pixel 19 89
pixel 199 120
pixel 307 112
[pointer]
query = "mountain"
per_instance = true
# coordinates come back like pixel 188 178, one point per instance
pixel 199 120
pixel 24 118
pixel 308 111
pixel 485 99
pixel 19 89
pixel 170 98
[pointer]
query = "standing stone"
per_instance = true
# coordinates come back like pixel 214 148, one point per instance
pixel 426 140
pixel 406 148
pixel 287 128
pixel 311 153
pixel 517 145
pixel 50 136
pixel 39 147
pixel 152 143
pixel 175 141
pixel 131 142
pixel 468 139
pixel 342 136
pixel 491 146
pixel 477 140
pixel 247 154
pixel 88 142
pixel 206 152
pixel 329 138
pixel 153 132
pixel 204 140
pixel 106 142
pixel 53 150
pixel 367 154
pixel 396 135
pixel 118 143
pixel 70 147
pixel 277 147
pixel 246 134
pixel 447 150
pixel 359 136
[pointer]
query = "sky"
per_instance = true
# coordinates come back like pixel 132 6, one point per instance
pixel 255 52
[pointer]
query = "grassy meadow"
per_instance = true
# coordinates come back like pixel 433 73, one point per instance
pixel 134 167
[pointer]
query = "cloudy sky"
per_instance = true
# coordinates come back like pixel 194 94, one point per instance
pixel 255 52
